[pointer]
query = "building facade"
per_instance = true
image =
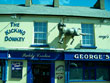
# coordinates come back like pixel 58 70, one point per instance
pixel 57 44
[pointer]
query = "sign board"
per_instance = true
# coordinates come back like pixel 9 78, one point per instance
pixel 34 55
pixel 87 56
pixel 16 69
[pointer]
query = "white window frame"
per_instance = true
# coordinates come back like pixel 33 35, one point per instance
pixel 37 43
pixel 89 34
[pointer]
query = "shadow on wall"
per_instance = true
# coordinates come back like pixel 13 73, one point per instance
pixel 55 44
pixel 78 46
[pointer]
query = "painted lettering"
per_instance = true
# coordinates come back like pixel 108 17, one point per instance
pixel 100 56
pixel 44 55
pixel 28 55
pixel 96 56
pixel 104 36
pixel 81 56
pixel 16 30
pixel 20 39
pixel 13 24
pixel 76 56
pixel 31 55
pixel 107 56
pixel 85 56
pixel 91 56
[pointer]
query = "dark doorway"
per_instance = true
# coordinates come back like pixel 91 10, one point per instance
pixel 41 73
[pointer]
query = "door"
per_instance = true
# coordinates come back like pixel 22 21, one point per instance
pixel 41 73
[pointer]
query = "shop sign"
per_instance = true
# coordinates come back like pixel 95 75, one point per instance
pixel 17 65
pixel 87 56
pixel 14 29
pixel 33 55
pixel 16 69
pixel 60 72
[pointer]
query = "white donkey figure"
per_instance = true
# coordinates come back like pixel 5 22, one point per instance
pixel 68 31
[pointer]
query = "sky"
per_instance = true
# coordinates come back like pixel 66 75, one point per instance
pixel 88 3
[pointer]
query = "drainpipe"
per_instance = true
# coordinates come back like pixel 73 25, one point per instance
pixel 28 3
pixel 55 3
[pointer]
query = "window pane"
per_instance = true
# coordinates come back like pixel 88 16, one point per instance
pixel 40 29
pixel 102 74
pixel 89 71
pixel 44 36
pixel 86 74
pixel 35 41
pixel 92 74
pixel 76 73
pixel 103 64
pixel 90 64
pixel 76 64
pixel 88 39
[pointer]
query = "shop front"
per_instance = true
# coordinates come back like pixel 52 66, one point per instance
pixel 40 65
pixel 87 67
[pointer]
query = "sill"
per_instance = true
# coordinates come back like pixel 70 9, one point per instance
pixel 39 45
pixel 89 47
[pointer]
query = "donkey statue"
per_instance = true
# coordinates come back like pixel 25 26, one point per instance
pixel 64 31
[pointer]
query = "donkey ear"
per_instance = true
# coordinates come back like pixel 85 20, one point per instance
pixel 61 25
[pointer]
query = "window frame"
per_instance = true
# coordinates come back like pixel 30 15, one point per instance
pixel 40 44
pixel 90 45
pixel 83 73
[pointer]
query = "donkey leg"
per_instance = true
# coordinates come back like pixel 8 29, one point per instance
pixel 61 39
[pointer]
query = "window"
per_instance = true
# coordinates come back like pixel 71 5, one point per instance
pixel 40 32
pixel 76 72
pixel 83 71
pixel 88 39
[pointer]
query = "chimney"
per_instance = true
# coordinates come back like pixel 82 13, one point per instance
pixel 28 3
pixel 100 4
pixel 55 3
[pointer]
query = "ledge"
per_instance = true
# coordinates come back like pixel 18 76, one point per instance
pixel 39 45
pixel 89 47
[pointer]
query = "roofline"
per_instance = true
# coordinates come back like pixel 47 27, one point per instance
pixel 56 15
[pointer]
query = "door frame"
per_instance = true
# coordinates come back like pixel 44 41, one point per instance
pixel 30 75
